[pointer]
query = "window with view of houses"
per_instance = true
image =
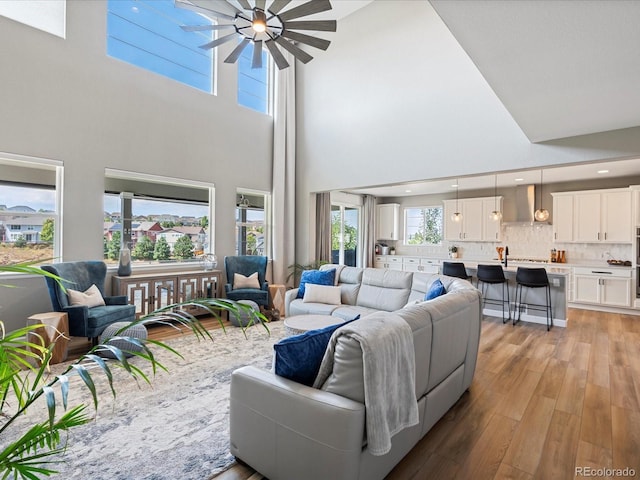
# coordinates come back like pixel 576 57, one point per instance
pixel 160 221
pixel 251 226
pixel 29 209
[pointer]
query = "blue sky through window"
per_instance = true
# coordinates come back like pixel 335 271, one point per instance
pixel 147 33
pixel 253 84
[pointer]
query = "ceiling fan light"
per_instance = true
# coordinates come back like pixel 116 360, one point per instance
pixel 259 26
pixel 541 215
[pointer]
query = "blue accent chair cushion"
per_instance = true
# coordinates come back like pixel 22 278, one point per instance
pixel 247 265
pixel 298 358
pixel 85 321
pixel 435 290
pixel 317 277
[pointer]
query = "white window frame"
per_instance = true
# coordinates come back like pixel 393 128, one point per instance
pixel 268 212
pixel 47 164
pixel 405 239
pixel 144 177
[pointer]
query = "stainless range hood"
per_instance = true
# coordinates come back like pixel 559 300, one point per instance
pixel 525 205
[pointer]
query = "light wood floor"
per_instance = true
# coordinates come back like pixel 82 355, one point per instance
pixel 541 404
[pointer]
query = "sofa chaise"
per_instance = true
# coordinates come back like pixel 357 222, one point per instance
pixel 286 430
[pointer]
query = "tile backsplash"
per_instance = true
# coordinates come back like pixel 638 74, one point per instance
pixel 525 241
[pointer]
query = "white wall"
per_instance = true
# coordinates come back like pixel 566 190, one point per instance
pixel 395 99
pixel 66 100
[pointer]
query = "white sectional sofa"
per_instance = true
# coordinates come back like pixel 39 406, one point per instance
pixel 286 430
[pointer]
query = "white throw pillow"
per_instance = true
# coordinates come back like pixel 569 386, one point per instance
pixel 240 281
pixel 321 294
pixel 91 297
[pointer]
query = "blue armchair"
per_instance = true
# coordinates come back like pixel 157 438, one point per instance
pixel 247 265
pixel 86 321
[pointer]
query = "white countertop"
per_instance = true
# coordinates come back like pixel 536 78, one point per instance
pixel 551 267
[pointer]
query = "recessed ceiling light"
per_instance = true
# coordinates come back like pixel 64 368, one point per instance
pixel 454 185
pixel 519 179
pixel 407 191
pixel 603 171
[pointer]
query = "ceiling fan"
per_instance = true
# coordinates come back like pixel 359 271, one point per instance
pixel 259 24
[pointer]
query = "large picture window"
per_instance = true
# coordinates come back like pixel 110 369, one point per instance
pixel 161 220
pixel 147 33
pixel 423 226
pixel 30 201
pixel 253 83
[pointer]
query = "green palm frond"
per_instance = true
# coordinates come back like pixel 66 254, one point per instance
pixel 24 367
pixel 25 458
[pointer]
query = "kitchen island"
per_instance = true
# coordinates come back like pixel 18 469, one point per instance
pixel 558 280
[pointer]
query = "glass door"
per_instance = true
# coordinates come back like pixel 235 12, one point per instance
pixel 345 234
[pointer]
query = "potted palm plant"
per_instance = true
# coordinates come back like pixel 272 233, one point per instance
pixel 23 380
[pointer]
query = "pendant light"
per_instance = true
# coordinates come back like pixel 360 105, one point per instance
pixel 457 216
pixel 541 214
pixel 496 215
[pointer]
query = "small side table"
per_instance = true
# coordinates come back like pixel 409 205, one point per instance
pixel 55 329
pixel 276 294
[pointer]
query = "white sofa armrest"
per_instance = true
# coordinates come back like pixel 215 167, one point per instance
pixel 289 296
pixel 286 430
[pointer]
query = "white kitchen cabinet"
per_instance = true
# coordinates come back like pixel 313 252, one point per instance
pixel 387 221
pixel 602 286
pixel 562 217
pixel 492 229
pixel 474 224
pixel 389 262
pixel 602 216
pixel 417 264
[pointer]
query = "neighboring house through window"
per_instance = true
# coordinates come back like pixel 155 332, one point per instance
pixel 252 232
pixel 160 219
pixel 30 204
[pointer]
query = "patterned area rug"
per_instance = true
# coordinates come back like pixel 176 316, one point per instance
pixel 175 428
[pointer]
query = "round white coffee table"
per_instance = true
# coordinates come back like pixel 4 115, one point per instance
pixel 303 323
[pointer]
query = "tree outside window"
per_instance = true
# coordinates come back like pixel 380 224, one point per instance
pixel 423 226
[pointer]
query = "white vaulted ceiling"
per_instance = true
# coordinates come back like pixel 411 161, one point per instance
pixel 561 68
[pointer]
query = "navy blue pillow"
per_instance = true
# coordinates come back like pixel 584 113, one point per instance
pixel 298 358
pixel 435 290
pixel 317 277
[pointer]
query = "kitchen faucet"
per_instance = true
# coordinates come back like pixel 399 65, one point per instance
pixel 506 255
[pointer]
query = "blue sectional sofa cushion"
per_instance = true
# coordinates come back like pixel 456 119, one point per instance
pixel 435 290
pixel 317 277
pixel 298 358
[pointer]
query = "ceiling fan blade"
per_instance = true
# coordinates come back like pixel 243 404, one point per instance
pixel 220 41
pixel 318 25
pixel 300 54
pixel 245 4
pixel 260 4
pixel 315 42
pixel 278 5
pixel 276 54
pixel 203 28
pixel 309 8
pixel 223 6
pixel 256 62
pixel 205 11
pixel 233 56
